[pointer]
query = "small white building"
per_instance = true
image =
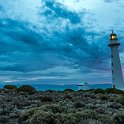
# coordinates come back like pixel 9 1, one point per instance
pixel 84 86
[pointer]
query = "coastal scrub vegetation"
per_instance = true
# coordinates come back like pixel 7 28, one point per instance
pixel 114 91
pixel 99 91
pixel 28 106
pixel 26 88
pixel 120 99
pixel 11 87
pixel 68 90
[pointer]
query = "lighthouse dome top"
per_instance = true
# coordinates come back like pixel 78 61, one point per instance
pixel 113 36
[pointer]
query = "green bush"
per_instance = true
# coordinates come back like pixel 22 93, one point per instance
pixel 79 104
pixel 90 90
pixel 1 90
pixel 26 88
pixel 68 90
pixel 50 91
pixel 120 99
pixel 3 120
pixel 114 91
pixel 46 99
pixel 81 90
pixel 41 116
pixel 11 87
pixel 99 91
pixel 119 117
pixel 54 108
pixel 102 97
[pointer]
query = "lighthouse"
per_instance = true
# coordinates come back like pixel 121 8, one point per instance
pixel 117 78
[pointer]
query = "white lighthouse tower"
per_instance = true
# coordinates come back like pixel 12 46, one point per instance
pixel 117 78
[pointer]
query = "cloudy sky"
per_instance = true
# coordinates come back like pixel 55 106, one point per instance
pixel 58 41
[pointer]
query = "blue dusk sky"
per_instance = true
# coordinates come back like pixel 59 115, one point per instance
pixel 58 41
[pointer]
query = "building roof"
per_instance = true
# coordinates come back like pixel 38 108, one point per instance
pixel 83 83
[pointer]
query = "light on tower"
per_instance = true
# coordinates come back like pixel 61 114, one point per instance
pixel 113 36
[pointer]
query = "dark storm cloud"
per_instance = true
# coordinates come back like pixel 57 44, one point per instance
pixel 13 68
pixel 23 48
pixel 16 30
pixel 73 40
pixel 57 10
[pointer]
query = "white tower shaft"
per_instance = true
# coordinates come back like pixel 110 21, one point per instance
pixel 117 77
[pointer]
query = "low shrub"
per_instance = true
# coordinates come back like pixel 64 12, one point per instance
pixel 115 105
pixel 54 108
pixel 3 120
pixel 80 90
pixel 114 91
pixel 102 97
pixel 26 88
pixel 120 99
pixel 11 87
pixel 99 91
pixel 54 115
pixel 50 91
pixel 46 99
pixel 79 104
pixel 1 90
pixel 90 121
pixel 90 90
pixel 67 96
pixel 68 90
pixel 119 117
